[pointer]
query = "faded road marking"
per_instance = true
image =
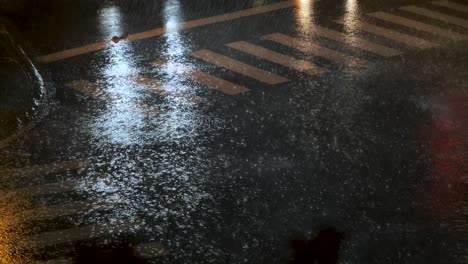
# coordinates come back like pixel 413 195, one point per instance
pixel 356 42
pixel 148 250
pixel 41 170
pixel 216 83
pixel 239 67
pixel 278 58
pixel 89 89
pixel 434 30
pixel 436 15
pixel 53 238
pixel 451 5
pixel 314 49
pixel 158 88
pixel 393 35
pixel 46 189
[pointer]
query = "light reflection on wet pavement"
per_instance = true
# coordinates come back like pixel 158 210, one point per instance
pixel 157 143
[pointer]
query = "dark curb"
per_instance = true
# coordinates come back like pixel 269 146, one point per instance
pixel 21 89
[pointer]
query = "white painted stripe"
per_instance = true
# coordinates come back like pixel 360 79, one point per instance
pixel 41 170
pixel 278 58
pixel 69 53
pixel 356 42
pixel 239 67
pixel 217 83
pixel 159 31
pixel 52 212
pixel 451 5
pixel 209 80
pixel 157 88
pixel 53 238
pixel 438 31
pixel 158 63
pixel 311 48
pixel 149 109
pixel 392 34
pixel 89 89
pixel 149 250
pixel 190 98
pixel 46 189
pixel 436 15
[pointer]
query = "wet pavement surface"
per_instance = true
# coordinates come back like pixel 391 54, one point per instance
pixel 220 131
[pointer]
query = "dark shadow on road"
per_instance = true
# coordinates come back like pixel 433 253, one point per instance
pixel 323 249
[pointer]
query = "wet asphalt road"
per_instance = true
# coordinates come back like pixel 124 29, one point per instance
pixel 208 160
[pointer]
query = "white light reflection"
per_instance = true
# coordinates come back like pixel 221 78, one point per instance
pixel 175 47
pixel 122 122
pixel 351 25
pixel 351 16
pixel 179 122
pixel 305 15
pixel 119 59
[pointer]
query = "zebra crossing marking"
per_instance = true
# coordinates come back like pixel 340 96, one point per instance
pixel 410 23
pixel 88 89
pixel 278 58
pixel 451 5
pixel 393 35
pixel 149 250
pixel 356 42
pixel 436 15
pixel 157 88
pixel 45 169
pixel 314 49
pixel 51 212
pixel 208 80
pixel 217 83
pixel 75 234
pixel 46 189
pixel 239 67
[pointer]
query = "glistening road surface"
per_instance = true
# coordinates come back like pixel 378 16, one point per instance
pixel 218 131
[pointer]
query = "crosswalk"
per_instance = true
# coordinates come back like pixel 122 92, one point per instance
pixel 149 250
pixel 405 29
pixel 40 170
pixel 98 92
pixel 278 58
pixel 217 83
pixel 356 42
pixel 396 33
pixel 393 35
pixel 451 5
pixel 416 25
pixel 436 15
pixel 87 89
pixel 314 49
pixel 33 186
pixel 239 67
pixel 157 88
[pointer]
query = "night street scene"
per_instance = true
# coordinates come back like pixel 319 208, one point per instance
pixel 233 131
